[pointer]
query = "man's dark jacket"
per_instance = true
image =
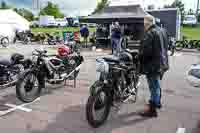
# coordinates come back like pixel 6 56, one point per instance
pixel 153 51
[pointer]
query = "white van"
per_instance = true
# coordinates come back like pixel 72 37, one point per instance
pixel 61 22
pixel 190 20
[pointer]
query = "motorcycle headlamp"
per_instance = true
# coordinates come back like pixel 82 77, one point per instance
pixel 102 66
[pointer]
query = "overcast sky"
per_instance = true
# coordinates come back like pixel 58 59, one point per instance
pixel 83 7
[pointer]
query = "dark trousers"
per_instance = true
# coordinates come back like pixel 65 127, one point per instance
pixel 155 89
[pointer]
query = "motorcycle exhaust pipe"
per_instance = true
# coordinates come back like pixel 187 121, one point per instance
pixel 55 81
pixel 65 76
pixel 4 86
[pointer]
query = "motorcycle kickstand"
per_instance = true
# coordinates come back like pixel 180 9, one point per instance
pixel 65 82
pixel 74 82
pixel 75 79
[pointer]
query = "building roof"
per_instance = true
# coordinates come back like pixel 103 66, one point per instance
pixel 163 9
pixel 121 13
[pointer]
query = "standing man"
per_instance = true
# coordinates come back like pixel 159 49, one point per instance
pixel 154 63
pixel 115 38
pixel 85 33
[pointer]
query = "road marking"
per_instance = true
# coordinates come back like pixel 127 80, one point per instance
pixel 181 130
pixel 14 107
pixel 20 107
pixel 177 54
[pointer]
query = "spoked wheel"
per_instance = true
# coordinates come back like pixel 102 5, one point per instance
pixel 73 66
pixel 179 45
pixel 28 88
pixel 95 87
pixel 93 90
pixel 97 116
pixel 5 41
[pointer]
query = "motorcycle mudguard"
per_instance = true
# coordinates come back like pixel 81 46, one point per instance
pixel 96 86
pixel 40 76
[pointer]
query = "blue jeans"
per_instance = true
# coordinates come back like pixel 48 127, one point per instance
pixel 116 46
pixel 155 90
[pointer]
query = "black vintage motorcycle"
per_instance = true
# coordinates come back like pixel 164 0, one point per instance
pixel 10 69
pixel 24 37
pixel 53 40
pixel 52 69
pixel 117 82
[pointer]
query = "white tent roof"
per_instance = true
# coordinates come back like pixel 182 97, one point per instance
pixel 11 17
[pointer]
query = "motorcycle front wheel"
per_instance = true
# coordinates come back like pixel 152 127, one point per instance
pixel 97 116
pixel 28 88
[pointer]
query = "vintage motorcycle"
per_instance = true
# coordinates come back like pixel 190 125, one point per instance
pixel 117 82
pixel 53 69
pixel 10 69
pixel 24 37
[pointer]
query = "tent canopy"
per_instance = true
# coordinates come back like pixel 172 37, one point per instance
pixel 10 21
pixel 122 14
pixel 11 17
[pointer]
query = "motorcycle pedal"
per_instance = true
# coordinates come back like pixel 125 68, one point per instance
pixel 116 106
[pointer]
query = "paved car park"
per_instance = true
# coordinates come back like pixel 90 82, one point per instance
pixel 62 110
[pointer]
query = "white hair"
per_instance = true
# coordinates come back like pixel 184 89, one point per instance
pixel 150 19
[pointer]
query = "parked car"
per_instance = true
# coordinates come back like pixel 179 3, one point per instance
pixel 190 20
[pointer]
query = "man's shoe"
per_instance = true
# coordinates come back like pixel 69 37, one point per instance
pixel 159 106
pixel 150 111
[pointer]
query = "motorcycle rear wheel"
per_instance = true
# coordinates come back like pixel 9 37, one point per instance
pixel 5 41
pixel 27 92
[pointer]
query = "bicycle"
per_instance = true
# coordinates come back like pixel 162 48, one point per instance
pixel 182 44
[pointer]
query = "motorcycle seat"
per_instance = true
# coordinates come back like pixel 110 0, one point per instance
pixel 5 62
pixel 112 59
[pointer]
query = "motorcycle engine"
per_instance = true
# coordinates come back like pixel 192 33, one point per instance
pixel 3 75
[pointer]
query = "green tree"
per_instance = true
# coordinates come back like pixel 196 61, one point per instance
pixel 167 6
pixel 4 5
pixel 151 7
pixel 25 13
pixel 100 6
pixel 179 4
pixel 52 10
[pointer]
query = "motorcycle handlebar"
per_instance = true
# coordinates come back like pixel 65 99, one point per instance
pixel 40 53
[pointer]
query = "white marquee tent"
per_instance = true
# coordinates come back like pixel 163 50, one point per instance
pixel 10 21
